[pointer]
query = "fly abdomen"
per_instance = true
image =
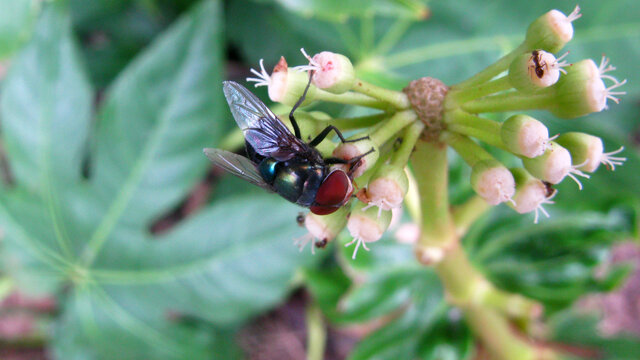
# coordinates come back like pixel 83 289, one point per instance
pixel 297 182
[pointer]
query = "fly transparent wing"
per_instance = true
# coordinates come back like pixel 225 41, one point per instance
pixel 246 108
pixel 262 129
pixel 238 165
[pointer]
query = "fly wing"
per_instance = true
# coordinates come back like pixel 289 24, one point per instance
pixel 238 165
pixel 262 129
pixel 247 109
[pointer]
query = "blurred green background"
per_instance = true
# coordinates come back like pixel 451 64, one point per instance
pixel 119 241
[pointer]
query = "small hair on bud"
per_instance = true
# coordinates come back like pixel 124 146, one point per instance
pixel 524 135
pixel 332 72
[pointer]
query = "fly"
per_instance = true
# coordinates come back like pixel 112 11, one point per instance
pixel 282 162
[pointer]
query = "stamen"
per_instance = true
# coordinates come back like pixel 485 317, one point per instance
pixel 547 144
pixel 302 241
pixel 575 172
pixel 609 94
pixel 358 242
pixel 313 65
pixel 575 14
pixel 541 208
pixel 561 64
pixel 611 161
pixel 263 78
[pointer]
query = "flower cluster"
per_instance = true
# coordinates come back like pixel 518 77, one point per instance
pixel 530 77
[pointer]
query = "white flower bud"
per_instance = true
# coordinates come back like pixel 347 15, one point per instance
pixel 322 228
pixel 552 30
pixel 285 85
pixel 332 72
pixel 582 90
pixel 350 150
pixel 587 151
pixel 553 166
pixel 536 70
pixel 366 226
pixel 492 181
pixel 531 194
pixel 524 135
pixel 386 189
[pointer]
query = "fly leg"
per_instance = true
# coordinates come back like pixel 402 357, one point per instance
pixel 294 123
pixel 353 163
pixel 323 134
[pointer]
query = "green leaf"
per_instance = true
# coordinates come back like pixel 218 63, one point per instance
pixel 399 339
pixel 46 102
pixel 212 266
pixel 123 287
pixel 16 24
pixel 553 261
pixel 573 328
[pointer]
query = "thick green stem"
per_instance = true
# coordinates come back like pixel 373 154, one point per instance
pixel 485 130
pixel 316 333
pixel 509 101
pixel 494 69
pixel 430 165
pixel 397 99
pixel 478 91
pixel 352 98
pixel 497 335
pixel 440 245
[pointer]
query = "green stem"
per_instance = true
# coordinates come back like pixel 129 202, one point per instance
pixel 352 98
pixel 478 91
pixel 511 305
pixel 316 333
pixel 466 214
pixel 483 129
pixel 468 150
pixel 497 335
pixel 509 101
pixel 492 70
pixel 387 129
pixel 397 99
pixel 430 165
pixel 358 122
pixel 464 285
pixel 391 37
pixel 411 135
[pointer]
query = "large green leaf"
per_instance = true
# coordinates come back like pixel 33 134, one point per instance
pixel 124 291
pixel 213 266
pixel 46 103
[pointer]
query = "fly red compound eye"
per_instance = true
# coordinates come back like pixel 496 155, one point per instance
pixel 334 191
